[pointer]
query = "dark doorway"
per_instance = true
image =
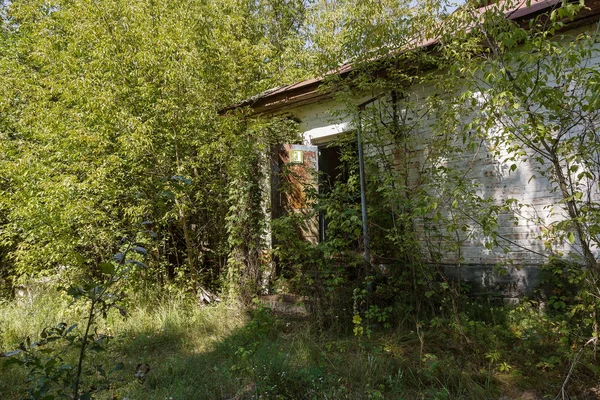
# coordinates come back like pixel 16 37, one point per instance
pixel 337 163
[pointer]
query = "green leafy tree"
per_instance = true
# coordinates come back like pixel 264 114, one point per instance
pixel 108 118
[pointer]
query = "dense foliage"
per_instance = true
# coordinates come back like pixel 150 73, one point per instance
pixel 108 120
pixel 111 133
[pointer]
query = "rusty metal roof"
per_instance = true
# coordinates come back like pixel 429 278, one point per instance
pixel 307 91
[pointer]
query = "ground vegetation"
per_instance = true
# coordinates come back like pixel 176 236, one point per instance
pixel 123 186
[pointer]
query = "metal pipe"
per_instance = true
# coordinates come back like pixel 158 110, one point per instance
pixel 363 192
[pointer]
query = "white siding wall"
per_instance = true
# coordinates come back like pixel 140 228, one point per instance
pixel 519 229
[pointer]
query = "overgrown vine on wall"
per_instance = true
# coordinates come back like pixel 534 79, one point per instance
pixel 249 262
pixel 508 99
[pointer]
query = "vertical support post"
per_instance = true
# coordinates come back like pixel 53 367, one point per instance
pixel 363 191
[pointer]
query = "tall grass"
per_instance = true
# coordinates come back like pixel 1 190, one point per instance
pixel 226 352
pixel 28 315
pixel 163 331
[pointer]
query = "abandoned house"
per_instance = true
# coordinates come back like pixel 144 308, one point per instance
pixel 323 120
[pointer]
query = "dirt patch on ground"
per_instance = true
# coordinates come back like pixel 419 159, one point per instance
pixel 286 304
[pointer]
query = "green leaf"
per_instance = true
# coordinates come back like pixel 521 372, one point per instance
pixel 10 353
pixel 70 329
pixel 107 268
pixel 12 361
pixel 139 250
pixel 137 263
pixel 101 371
pixel 182 179
pixel 117 367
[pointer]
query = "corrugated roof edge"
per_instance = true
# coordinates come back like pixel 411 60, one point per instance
pixel 288 94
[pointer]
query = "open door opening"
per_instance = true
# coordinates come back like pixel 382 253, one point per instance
pixel 337 164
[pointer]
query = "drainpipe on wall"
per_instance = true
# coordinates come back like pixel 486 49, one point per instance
pixel 363 191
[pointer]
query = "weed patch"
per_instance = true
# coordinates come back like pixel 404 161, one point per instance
pixel 228 352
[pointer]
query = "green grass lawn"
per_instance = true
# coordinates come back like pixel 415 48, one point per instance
pixel 227 352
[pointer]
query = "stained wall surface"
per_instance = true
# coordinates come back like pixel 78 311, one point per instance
pixel 521 248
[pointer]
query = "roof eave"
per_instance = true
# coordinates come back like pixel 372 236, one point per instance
pixel 309 91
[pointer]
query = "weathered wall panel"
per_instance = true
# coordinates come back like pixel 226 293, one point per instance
pixel 519 229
